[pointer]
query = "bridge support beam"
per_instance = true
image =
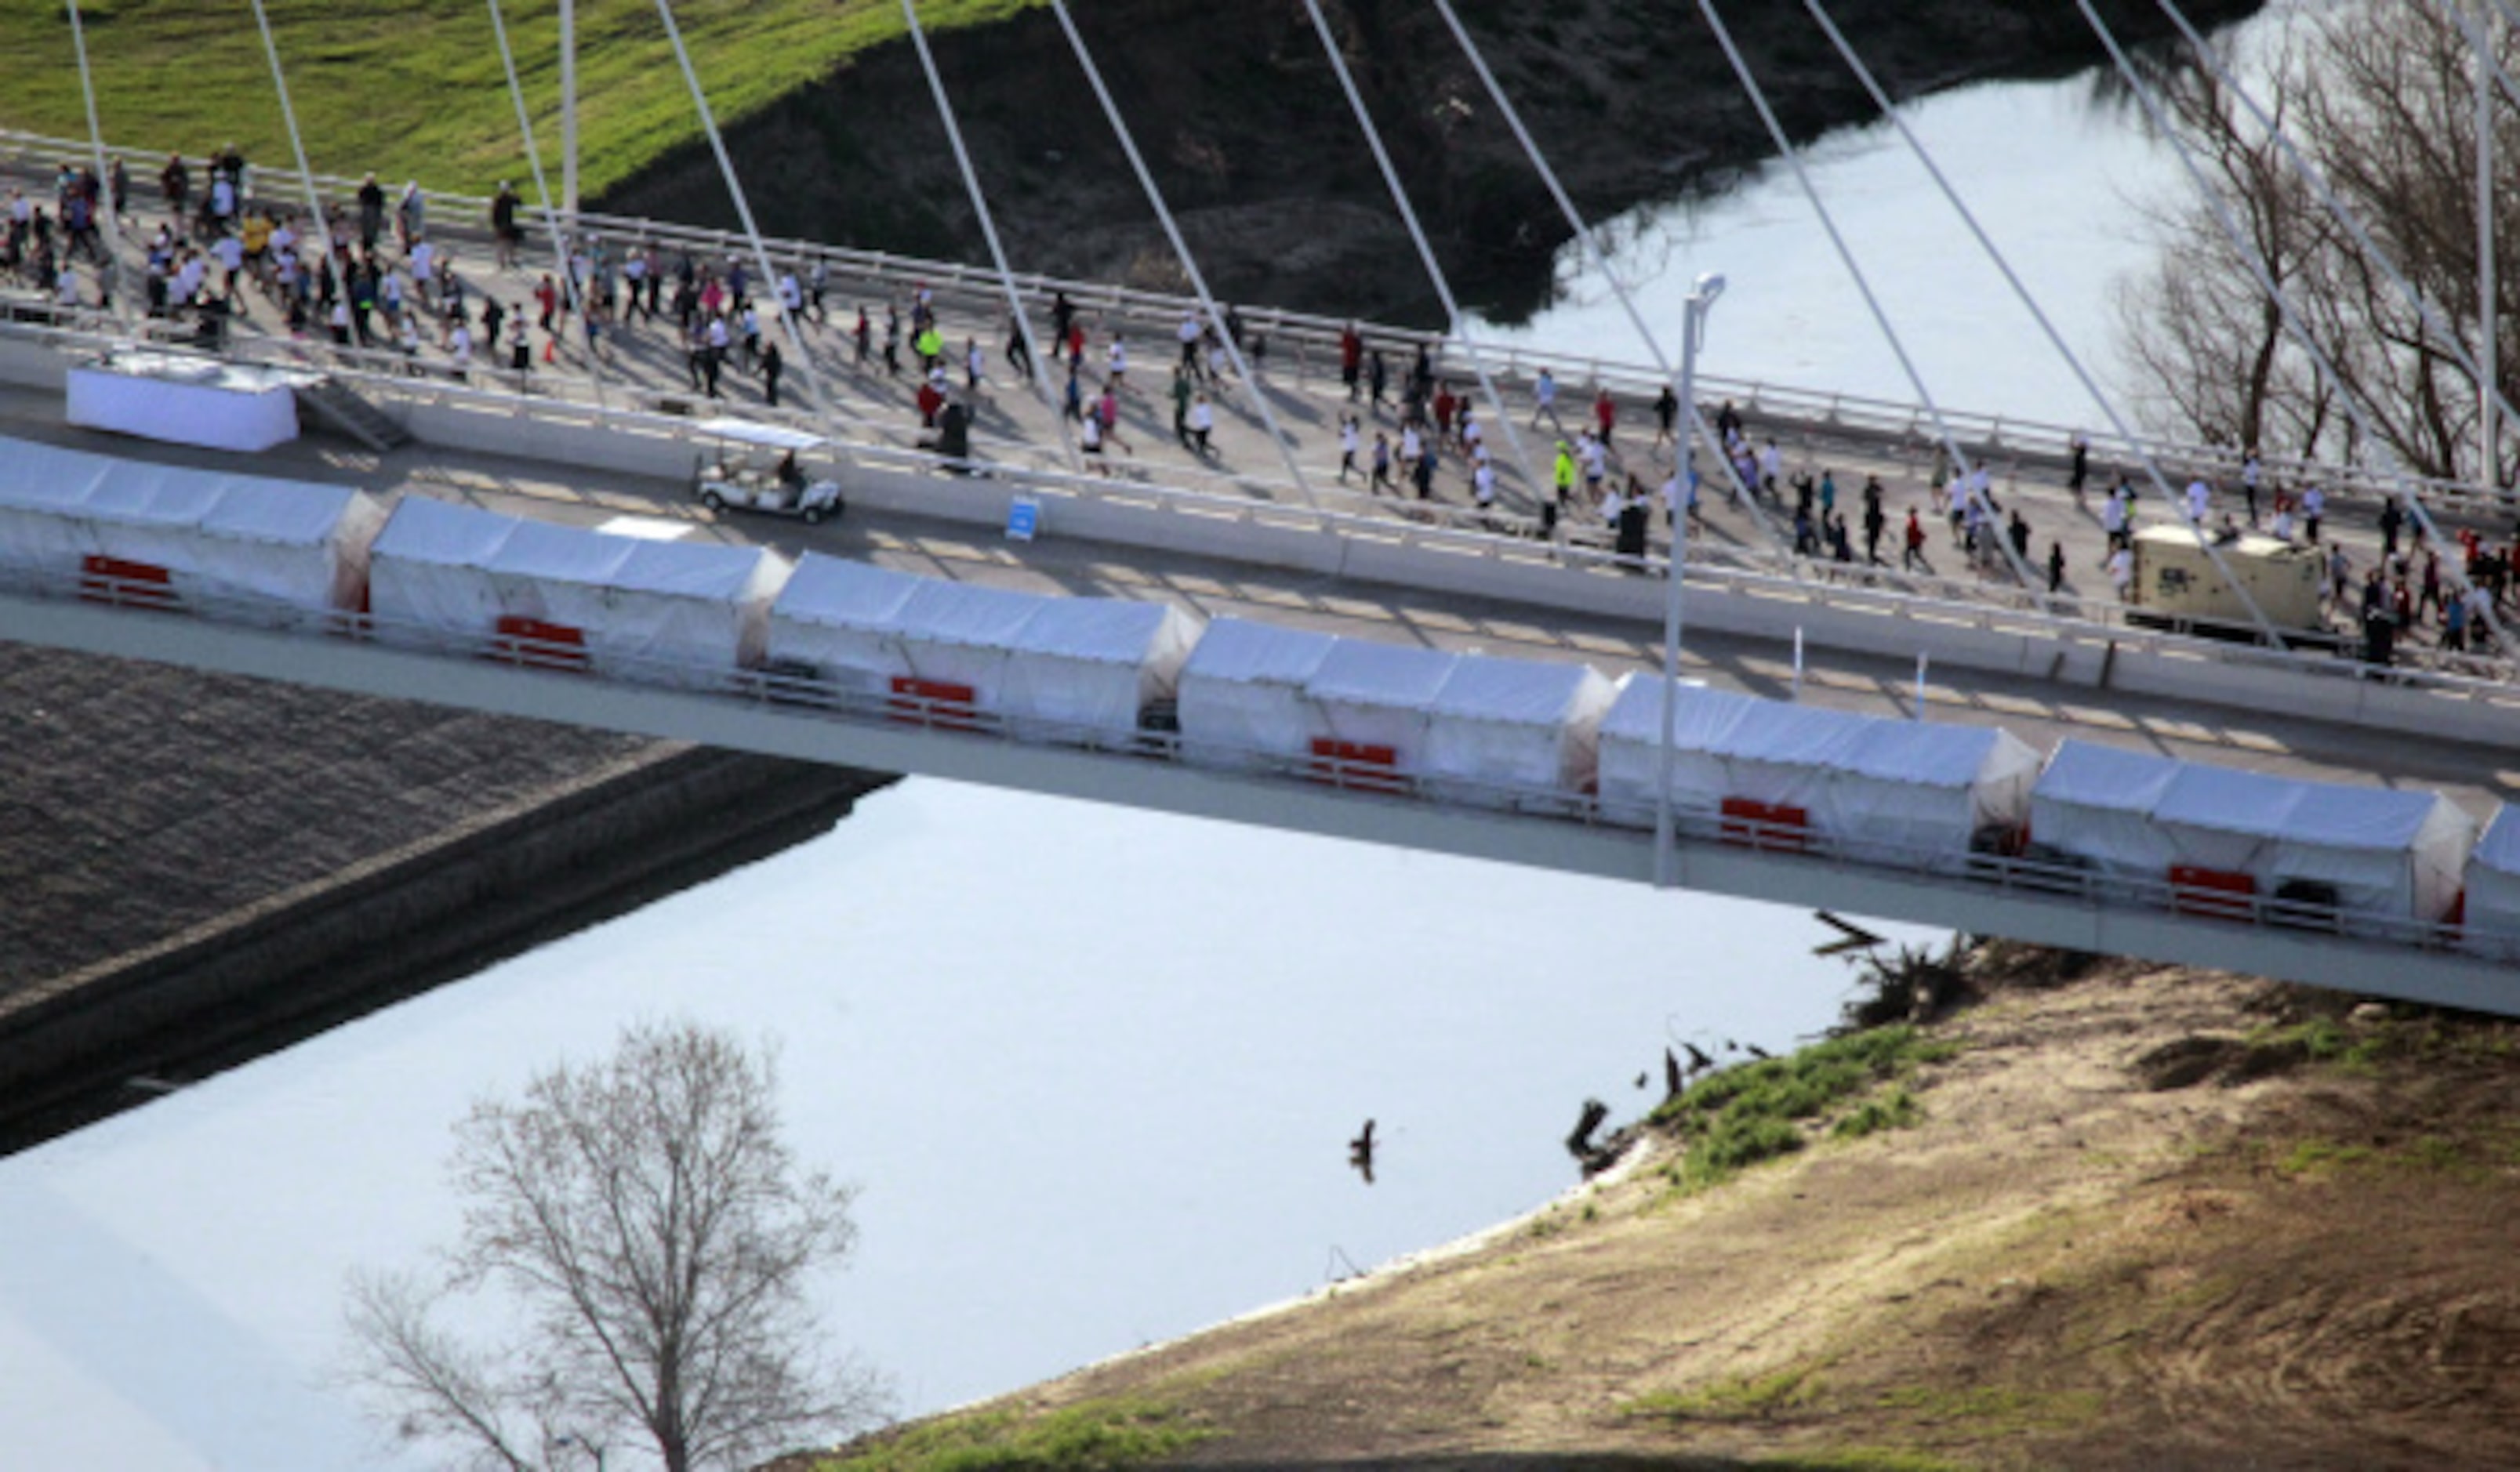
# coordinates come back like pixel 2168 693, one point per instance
pixel 2436 977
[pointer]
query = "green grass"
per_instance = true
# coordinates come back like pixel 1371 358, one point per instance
pixel 1733 1399
pixel 1093 1436
pixel 414 89
pixel 2322 1157
pixel 1996 1409
pixel 1757 1111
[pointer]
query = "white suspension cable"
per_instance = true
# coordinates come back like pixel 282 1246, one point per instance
pixel 315 220
pixel 1461 326
pixel 110 279
pixel 1601 255
pixel 2231 228
pixel 542 192
pixel 1829 223
pixel 1189 267
pixel 743 211
pixel 2021 290
pixel 989 228
pixel 2345 216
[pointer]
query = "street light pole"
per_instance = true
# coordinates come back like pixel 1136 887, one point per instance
pixel 569 115
pixel 1702 298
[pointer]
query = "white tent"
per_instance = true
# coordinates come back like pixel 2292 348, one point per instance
pixel 1088 667
pixel 1921 793
pixel 1372 701
pixel 842 621
pixel 2095 804
pixel 200 534
pixel 1628 754
pixel 673 612
pixel 2494 888
pixel 2398 853
pixel 1242 695
pixel 1887 790
pixel 1503 729
pixel 961 637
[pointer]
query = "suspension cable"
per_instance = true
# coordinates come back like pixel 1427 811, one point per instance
pixel 542 191
pixel 2337 208
pixel 1590 242
pixel 2247 248
pixel 2021 290
pixel 315 220
pixel 989 228
pixel 1461 328
pixel 743 211
pixel 1189 267
pixel 1829 222
pixel 109 279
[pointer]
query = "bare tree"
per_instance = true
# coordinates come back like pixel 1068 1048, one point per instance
pixel 2379 97
pixel 655 1237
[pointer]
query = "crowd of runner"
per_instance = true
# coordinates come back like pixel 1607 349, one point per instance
pixel 379 281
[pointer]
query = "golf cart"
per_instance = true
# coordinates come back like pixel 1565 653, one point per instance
pixel 756 469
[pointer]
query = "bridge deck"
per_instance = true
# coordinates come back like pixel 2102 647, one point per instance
pixel 643 364
pixel 2040 711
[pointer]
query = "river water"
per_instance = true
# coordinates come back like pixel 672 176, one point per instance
pixel 1093 1068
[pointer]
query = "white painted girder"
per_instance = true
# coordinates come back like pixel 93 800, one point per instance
pixel 2416 974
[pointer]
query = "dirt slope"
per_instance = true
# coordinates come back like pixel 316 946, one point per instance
pixel 2149 1218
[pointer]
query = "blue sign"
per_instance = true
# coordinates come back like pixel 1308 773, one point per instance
pixel 1023 518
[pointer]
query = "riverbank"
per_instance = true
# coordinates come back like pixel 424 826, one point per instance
pixel 203 870
pixel 1258 154
pixel 2111 1216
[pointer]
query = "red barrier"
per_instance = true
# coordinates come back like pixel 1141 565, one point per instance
pixel 934 702
pixel 2219 894
pixel 1766 825
pixel 1357 765
pixel 126 584
pixel 537 644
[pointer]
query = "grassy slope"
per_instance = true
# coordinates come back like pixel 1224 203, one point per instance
pixel 2295 1252
pixel 414 88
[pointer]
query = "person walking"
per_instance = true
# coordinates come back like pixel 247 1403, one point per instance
pixel 772 364
pixel 1914 557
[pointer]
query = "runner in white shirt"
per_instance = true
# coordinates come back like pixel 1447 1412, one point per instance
pixel 1119 360
pixel 1483 483
pixel 2199 501
pixel 1347 445
pixel 231 253
pixel 1544 396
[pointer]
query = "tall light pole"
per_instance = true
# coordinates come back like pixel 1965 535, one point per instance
pixel 2490 475
pixel 569 115
pixel 1701 300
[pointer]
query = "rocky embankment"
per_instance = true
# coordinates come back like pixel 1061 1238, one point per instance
pixel 1243 124
pixel 2104 1215
pixel 205 870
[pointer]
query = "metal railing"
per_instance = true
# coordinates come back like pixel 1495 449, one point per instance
pixel 1494 536
pixel 1903 429
pixel 867 698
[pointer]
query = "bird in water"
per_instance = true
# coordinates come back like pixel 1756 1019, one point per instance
pixel 1360 1152
pixel 1698 1061
pixel 1757 1052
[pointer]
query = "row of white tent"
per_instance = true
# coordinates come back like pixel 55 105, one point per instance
pixel 1464 727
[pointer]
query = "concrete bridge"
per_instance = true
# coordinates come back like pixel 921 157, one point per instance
pixel 594 440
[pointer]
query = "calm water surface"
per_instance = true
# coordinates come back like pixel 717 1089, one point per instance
pixel 1093 1068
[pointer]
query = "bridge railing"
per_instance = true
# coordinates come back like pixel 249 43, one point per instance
pixel 1993 604
pixel 1993 864
pixel 1906 428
